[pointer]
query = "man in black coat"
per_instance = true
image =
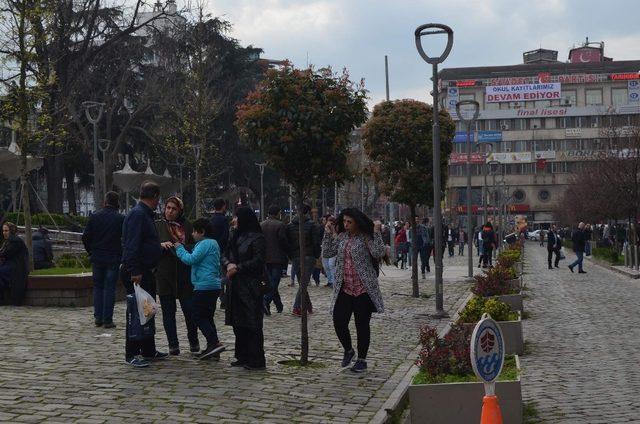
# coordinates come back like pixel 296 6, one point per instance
pixel 311 252
pixel 554 243
pixel 220 233
pixel 141 252
pixel 102 239
pixel 275 233
pixel 42 249
pixel 579 242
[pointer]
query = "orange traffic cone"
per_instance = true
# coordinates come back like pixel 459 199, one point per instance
pixel 490 411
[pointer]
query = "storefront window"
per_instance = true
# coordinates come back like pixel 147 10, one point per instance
pixel 593 97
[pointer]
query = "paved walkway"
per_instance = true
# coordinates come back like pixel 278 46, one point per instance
pixel 56 367
pixel 584 342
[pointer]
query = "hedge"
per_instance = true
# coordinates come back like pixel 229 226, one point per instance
pixel 54 219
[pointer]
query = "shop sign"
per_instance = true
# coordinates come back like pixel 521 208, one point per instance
pixel 510 157
pixel 573 132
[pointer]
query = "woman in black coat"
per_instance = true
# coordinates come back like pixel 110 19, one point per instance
pixel 244 261
pixel 13 264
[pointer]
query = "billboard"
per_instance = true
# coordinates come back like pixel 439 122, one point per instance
pixel 483 136
pixel 522 92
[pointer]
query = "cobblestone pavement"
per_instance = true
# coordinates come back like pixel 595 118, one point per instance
pixel 56 367
pixel 584 341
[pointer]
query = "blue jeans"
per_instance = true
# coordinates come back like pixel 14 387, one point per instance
pixel 204 306
pixel 329 265
pixel 578 261
pixel 105 278
pixel 169 307
pixel 274 273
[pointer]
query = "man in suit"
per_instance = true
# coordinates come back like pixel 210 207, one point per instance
pixel 554 243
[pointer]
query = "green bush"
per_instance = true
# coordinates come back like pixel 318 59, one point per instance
pixel 607 254
pixel 50 220
pixel 478 306
pixel 69 260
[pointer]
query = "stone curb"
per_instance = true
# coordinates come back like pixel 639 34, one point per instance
pixel 622 271
pixel 399 398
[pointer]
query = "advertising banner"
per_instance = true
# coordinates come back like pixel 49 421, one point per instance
pixel 510 157
pixel 483 136
pixel 546 154
pixel 522 92
pixel 458 158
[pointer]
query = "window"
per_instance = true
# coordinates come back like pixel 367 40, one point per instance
pixel 543 103
pixel 491 106
pixel 505 124
pixel 568 98
pixel 544 195
pixel 544 145
pixel 467 97
pixel 535 123
pixel 561 122
pixel 519 196
pixel 594 121
pixel 571 144
pixel 559 167
pixel 580 121
pixel 506 146
pixel 520 124
pixel 550 123
pixel 593 97
pixel 460 147
pixel 520 146
pixel 619 96
pixel 491 124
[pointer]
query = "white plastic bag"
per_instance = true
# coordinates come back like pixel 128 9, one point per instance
pixel 562 256
pixel 147 306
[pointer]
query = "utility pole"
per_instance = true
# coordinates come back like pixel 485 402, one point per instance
pixel 392 227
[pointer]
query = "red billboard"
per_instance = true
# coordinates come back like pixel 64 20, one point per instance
pixel 585 55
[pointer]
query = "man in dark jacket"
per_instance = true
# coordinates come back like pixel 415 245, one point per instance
pixel 579 241
pixel 554 244
pixel 173 279
pixel 141 252
pixel 275 233
pixel 220 228
pixel 425 245
pixel 42 249
pixel 102 241
pixel 311 252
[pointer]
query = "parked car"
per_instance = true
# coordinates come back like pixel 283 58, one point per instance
pixel 535 235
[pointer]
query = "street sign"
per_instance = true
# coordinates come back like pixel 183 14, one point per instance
pixel 487 350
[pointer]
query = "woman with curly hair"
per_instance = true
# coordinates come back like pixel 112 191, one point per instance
pixel 358 246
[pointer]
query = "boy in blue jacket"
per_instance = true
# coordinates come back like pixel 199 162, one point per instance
pixel 205 277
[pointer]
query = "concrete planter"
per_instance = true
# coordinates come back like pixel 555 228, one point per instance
pixel 449 403
pixel 512 334
pixel 519 266
pixel 515 284
pixel 64 290
pixel 513 300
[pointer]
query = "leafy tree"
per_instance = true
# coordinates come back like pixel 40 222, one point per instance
pixel 397 138
pixel 301 121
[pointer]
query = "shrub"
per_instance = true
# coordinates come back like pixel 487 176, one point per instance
pixel 69 260
pixel 478 306
pixel 608 254
pixel 46 219
pixel 445 356
pixel 494 282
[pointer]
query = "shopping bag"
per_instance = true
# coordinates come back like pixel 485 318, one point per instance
pixel 147 306
pixel 562 256
pixel 135 330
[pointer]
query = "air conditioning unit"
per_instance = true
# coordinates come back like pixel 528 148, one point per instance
pixel 565 102
pixel 504 127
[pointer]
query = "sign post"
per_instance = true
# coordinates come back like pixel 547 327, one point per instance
pixel 487 359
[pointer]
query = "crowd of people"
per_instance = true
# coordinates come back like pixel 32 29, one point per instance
pixel 232 260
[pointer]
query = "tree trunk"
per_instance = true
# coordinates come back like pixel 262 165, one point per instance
pixel 304 328
pixel 54 171
pixel 71 190
pixel 414 253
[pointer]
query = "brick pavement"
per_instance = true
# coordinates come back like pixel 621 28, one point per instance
pixel 584 341
pixel 56 367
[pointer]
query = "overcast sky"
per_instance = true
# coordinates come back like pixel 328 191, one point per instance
pixel 356 34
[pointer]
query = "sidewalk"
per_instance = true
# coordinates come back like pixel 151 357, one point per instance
pixel 56 367
pixel 583 338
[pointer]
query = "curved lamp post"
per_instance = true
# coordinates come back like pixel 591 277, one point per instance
pixel 463 108
pixel 422 30
pixel 93 112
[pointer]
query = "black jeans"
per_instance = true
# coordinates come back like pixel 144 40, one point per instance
pixel 169 308
pixel 451 245
pixel 274 273
pixel 550 256
pixel 361 307
pixel 249 347
pixel 487 257
pixel 425 254
pixel 145 347
pixel 204 307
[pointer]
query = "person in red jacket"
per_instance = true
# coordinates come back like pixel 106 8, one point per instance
pixel 401 247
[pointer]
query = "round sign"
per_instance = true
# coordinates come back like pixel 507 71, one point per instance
pixel 487 349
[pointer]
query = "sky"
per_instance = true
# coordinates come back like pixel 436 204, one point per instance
pixel 357 34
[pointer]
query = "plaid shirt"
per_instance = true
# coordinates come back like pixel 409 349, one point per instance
pixel 352 284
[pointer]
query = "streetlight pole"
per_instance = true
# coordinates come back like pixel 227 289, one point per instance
pixel 474 108
pixel 89 108
pixel 335 199
pixel 180 161
pixel 261 166
pixel 103 145
pixel 431 29
pixel 392 227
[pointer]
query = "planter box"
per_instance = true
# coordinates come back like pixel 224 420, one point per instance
pixel 64 290
pixel 513 300
pixel 450 403
pixel 519 266
pixel 515 284
pixel 512 334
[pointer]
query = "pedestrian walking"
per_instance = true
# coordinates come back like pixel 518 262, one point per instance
pixel 425 239
pixel 310 253
pixel 541 237
pixel 358 247
pixel 14 265
pixel 141 252
pixel 173 276
pixel 450 235
pixel 102 239
pixel 205 278
pixel 554 244
pixel 220 228
pixel 579 241
pixel 488 244
pixel 401 247
pixel 479 246
pixel 244 261
pixel 462 240
pixel 275 234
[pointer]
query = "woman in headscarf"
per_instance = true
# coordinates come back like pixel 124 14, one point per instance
pixel 13 264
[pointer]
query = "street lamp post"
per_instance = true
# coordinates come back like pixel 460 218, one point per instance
pixel 91 107
pixel 431 29
pixel 261 166
pixel 103 145
pixel 472 107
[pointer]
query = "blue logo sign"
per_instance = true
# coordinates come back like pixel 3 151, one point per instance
pixel 453 91
pixel 487 350
pixel 634 84
pixel 634 96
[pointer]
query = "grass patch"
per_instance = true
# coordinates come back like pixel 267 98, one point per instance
pixel 509 373
pixel 60 271
pixel 296 363
pixel 530 413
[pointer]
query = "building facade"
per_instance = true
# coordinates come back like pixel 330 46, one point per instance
pixel 538 122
